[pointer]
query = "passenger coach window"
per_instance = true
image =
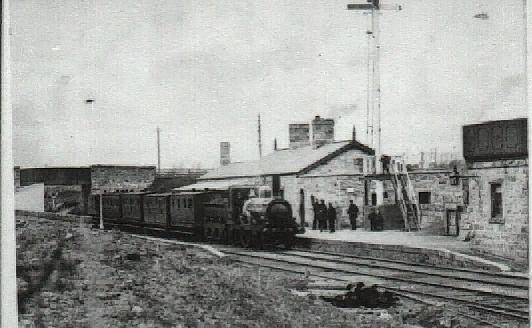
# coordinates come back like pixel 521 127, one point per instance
pixel 178 201
pixel 190 203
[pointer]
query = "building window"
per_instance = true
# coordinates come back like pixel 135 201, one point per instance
pixel 190 203
pixel 373 199
pixel 496 203
pixel 424 197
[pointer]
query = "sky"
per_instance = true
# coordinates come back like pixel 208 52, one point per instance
pixel 203 70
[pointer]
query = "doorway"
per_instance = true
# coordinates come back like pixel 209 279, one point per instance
pixel 453 222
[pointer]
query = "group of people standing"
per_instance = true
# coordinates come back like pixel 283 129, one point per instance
pixel 325 216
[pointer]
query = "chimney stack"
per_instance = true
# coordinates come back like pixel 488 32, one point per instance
pixel 225 153
pixel 322 131
pixel 299 135
pixel 275 144
pixel 354 137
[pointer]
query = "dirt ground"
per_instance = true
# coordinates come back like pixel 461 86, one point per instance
pixel 73 276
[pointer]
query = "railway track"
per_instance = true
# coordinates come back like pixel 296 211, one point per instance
pixel 493 299
pixel 490 298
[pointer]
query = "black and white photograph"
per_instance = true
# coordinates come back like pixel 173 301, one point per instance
pixel 312 163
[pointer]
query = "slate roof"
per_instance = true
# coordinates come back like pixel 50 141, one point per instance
pixel 286 161
pixel 212 185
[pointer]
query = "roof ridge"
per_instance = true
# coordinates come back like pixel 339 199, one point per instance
pixel 290 161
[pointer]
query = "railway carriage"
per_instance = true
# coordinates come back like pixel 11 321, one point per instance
pixel 157 209
pixel 94 205
pixel 133 206
pixel 243 215
pixel 112 205
pixel 186 210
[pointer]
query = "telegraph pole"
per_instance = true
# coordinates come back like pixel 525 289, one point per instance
pixel 374 8
pixel 260 138
pixel 158 150
pixel 91 102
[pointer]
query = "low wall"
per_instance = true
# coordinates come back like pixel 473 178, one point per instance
pixel 54 216
pixel 436 257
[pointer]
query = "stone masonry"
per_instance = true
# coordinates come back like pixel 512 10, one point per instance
pixel 443 197
pixel 336 181
pixel 115 177
pixel 509 237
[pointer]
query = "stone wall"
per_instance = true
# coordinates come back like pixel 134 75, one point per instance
pixel 56 195
pixel 338 190
pixel 336 181
pixel 509 237
pixel 443 197
pixel 115 178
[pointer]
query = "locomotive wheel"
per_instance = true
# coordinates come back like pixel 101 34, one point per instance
pixel 236 238
pixel 245 238
pixel 223 236
pixel 289 242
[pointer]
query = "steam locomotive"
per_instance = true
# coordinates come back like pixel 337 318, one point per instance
pixel 248 216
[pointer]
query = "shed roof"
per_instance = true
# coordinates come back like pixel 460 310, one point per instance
pixel 212 185
pixel 287 161
pixel 164 194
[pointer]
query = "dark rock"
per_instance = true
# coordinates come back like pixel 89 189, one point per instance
pixel 133 257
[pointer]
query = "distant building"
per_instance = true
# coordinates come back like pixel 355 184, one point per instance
pixel 68 185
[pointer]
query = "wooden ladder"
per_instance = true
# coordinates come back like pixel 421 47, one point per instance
pixel 405 192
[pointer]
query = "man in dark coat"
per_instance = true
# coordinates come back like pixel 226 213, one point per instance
pixel 331 217
pixel 314 204
pixel 322 215
pixel 385 160
pixel 352 211
pixel 380 221
pixel 372 217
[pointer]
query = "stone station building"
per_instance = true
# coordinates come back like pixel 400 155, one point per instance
pixel 313 165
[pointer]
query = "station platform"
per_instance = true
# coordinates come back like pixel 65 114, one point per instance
pixel 413 247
